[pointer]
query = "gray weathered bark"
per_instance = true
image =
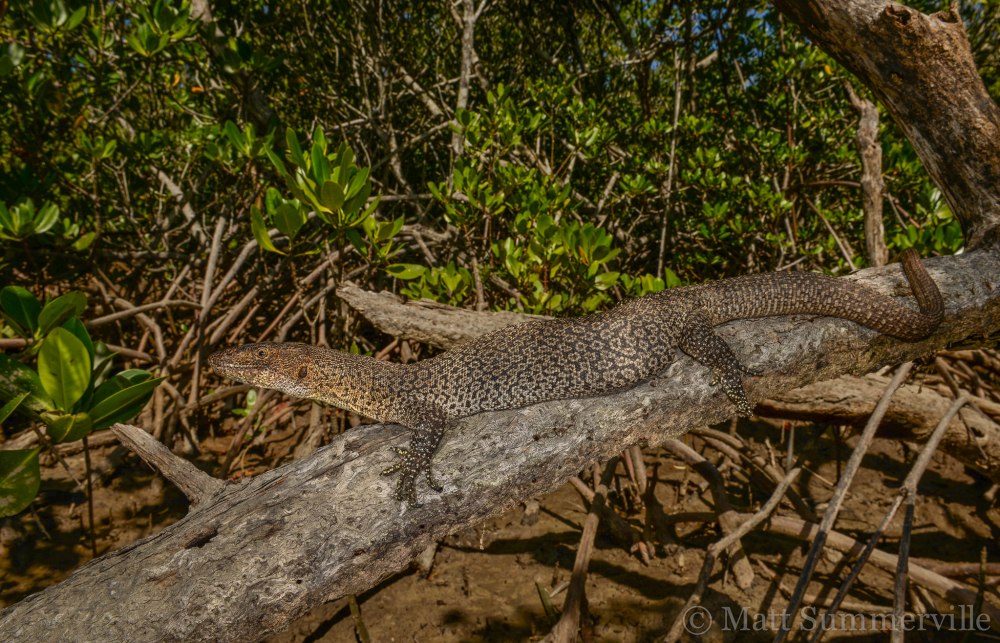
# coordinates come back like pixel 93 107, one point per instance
pixel 921 68
pixel 247 561
pixel 972 438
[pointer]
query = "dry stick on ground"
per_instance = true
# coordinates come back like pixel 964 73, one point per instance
pixel 725 512
pixel 575 606
pixel 88 471
pixel 736 448
pixel 30 437
pixel 237 441
pixel 198 328
pixel 910 489
pixel 926 576
pixel 837 500
pixel 682 622
pixel 197 485
pixel 135 310
pixel 952 591
pixel 945 370
pixel 972 439
pixel 906 491
pixel 946 568
pixel 620 531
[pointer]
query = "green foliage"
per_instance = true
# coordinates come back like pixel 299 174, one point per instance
pixel 19 472
pixel 249 402
pixel 161 25
pixel 64 368
pixel 109 105
pixel 556 262
pixel 19 480
pixel 322 184
pixel 70 390
pixel 22 221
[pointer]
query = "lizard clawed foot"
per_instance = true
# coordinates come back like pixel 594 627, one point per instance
pixel 431 482
pixel 412 462
pixel 732 384
pixel 401 453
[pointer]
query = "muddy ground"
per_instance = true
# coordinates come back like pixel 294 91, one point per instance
pixel 487 583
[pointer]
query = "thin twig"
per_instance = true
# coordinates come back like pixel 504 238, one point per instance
pixel 90 497
pixel 576 598
pixel 721 545
pixel 839 494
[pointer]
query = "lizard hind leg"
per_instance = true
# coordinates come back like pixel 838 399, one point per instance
pixel 700 342
pixel 416 460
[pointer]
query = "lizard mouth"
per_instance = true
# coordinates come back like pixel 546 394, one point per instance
pixel 223 362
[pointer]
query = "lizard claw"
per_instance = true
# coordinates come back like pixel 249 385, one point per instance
pixel 732 384
pixel 431 482
pixel 402 453
pixel 412 462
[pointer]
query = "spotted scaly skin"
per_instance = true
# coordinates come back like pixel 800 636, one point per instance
pixel 556 359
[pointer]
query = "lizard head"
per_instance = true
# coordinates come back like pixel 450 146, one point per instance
pixel 312 372
pixel 266 365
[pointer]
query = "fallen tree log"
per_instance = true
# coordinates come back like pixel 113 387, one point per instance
pixel 252 556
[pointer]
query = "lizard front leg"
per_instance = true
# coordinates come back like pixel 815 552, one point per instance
pixel 416 460
pixel 700 342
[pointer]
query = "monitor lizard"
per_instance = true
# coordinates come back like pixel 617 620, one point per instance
pixel 538 361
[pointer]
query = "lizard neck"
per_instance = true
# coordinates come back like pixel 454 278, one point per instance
pixel 357 383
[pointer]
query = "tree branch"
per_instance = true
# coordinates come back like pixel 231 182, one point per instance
pixel 261 553
pixel 921 68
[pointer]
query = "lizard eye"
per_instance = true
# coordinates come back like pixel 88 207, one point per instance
pixel 261 353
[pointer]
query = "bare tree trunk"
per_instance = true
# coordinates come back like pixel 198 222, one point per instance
pixel 921 68
pixel 872 187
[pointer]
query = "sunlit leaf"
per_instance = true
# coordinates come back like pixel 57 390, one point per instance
pixel 60 310
pixel 9 407
pixel 76 327
pixel 47 217
pixel 289 219
pixel 122 404
pixel 294 149
pixel 406 270
pixel 332 195
pixel 15 379
pixel 259 229
pixel 64 368
pixel 67 427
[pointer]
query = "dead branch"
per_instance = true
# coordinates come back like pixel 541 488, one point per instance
pixel 972 439
pixel 921 68
pixel 256 555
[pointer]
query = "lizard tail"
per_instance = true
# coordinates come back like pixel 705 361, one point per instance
pixel 791 293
